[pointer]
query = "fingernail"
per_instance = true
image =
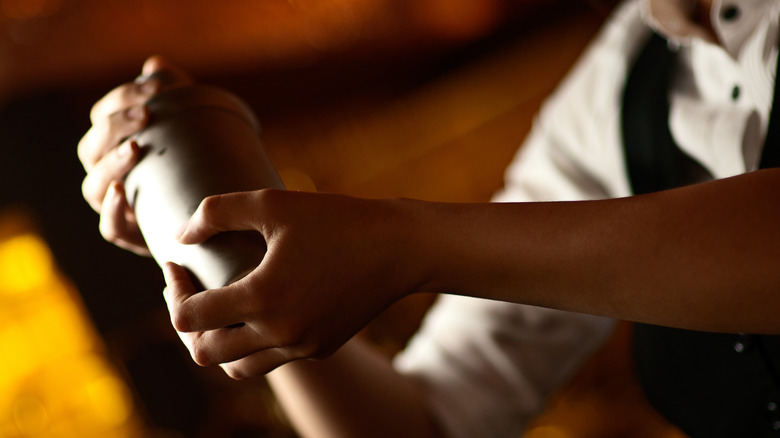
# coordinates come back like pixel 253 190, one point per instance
pixel 136 112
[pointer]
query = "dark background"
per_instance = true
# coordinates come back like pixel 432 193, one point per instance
pixel 370 98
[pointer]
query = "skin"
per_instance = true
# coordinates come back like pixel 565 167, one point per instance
pixel 355 392
pixel 702 13
pixel 704 257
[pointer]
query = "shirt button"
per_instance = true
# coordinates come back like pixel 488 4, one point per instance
pixel 735 92
pixel 730 13
pixel 771 406
pixel 739 347
pixel 776 425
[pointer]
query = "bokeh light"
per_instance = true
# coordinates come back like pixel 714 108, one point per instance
pixel 55 377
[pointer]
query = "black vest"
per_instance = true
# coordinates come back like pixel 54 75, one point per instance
pixel 709 384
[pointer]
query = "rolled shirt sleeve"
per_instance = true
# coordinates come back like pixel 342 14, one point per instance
pixel 488 366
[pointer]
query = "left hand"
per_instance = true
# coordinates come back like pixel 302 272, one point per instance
pixel 108 153
pixel 333 263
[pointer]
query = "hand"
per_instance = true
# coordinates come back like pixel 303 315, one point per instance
pixel 333 263
pixel 108 155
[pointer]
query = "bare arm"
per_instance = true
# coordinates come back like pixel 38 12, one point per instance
pixel 704 257
pixel 353 393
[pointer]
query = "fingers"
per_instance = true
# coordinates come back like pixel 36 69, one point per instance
pixel 256 364
pixel 117 223
pixel 172 75
pixel 193 311
pixel 230 212
pixel 124 96
pixel 155 63
pixel 227 344
pixel 107 156
pixel 234 352
pixel 121 112
pixel 108 132
pixel 112 167
pixel 206 326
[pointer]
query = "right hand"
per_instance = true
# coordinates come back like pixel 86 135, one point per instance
pixel 108 155
pixel 333 263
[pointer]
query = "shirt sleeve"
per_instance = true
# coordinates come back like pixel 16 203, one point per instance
pixel 488 366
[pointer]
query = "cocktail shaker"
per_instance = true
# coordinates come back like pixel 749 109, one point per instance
pixel 199 141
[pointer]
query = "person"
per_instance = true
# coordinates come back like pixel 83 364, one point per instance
pixel 532 281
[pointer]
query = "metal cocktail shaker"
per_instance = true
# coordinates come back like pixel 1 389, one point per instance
pixel 199 141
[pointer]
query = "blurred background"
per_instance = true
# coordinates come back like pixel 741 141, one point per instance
pixel 376 98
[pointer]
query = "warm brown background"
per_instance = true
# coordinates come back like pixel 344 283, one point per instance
pixel 427 99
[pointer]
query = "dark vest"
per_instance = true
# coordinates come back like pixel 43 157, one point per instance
pixel 709 384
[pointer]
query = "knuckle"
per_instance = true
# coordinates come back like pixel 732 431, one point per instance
pixel 180 319
pixel 82 148
pixel 127 120
pixel 109 102
pixel 96 110
pixel 209 207
pixel 269 197
pixel 88 192
pixel 235 372
pixel 122 96
pixel 200 354
pixel 133 92
pixel 89 148
pixel 264 195
pixel 108 231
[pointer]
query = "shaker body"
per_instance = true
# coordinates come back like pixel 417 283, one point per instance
pixel 200 141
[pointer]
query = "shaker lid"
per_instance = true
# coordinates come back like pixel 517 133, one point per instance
pixel 179 99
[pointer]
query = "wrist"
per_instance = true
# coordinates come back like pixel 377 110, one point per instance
pixel 410 227
pixel 426 244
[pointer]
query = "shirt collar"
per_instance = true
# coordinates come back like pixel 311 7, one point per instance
pixel 732 20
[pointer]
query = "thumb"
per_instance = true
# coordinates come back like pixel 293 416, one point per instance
pixel 229 212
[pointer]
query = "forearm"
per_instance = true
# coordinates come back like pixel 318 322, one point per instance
pixel 704 257
pixel 353 393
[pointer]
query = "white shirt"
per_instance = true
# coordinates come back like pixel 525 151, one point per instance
pixel 488 366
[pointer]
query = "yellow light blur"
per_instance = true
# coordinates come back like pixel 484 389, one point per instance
pixel 55 379
pixel 25 264
pixel 30 415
